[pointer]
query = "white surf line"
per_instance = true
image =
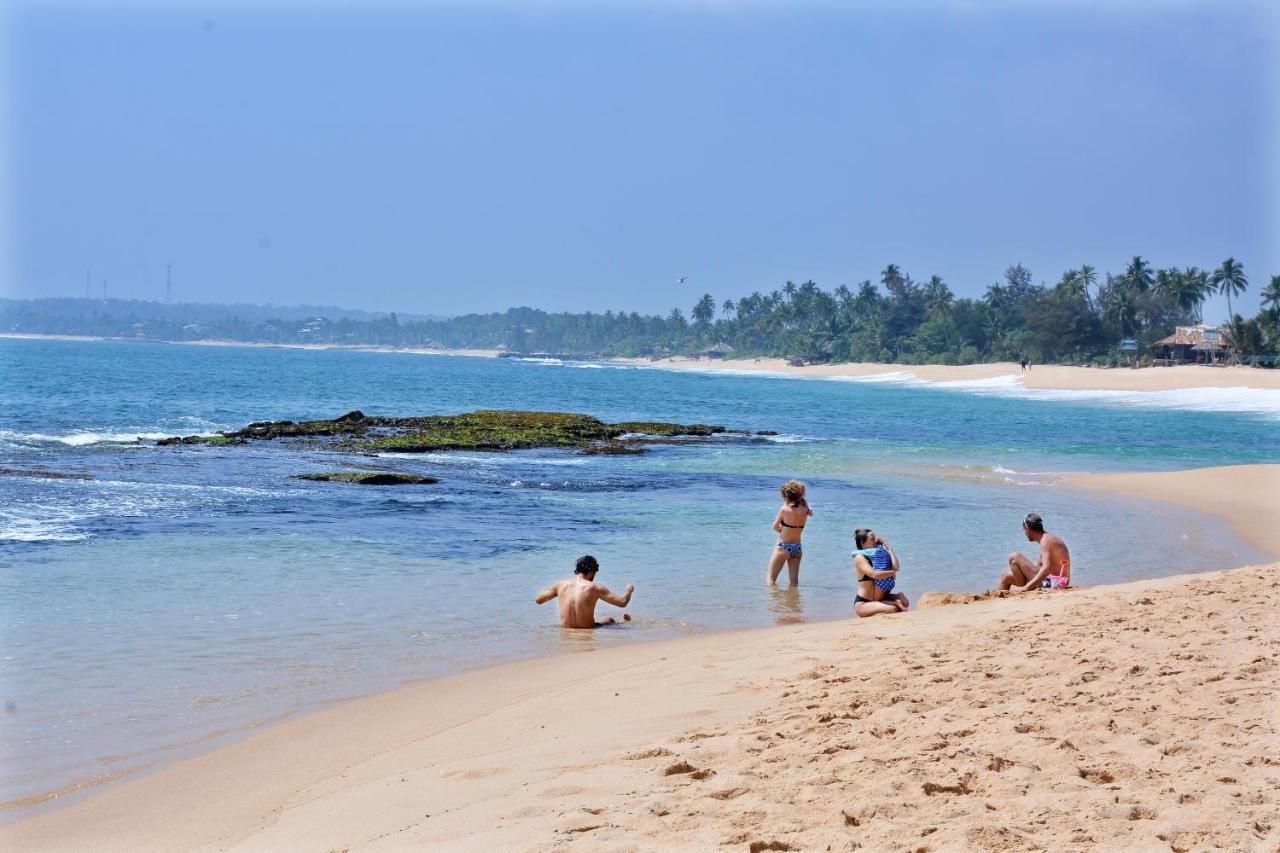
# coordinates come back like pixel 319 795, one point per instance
pixel 1237 400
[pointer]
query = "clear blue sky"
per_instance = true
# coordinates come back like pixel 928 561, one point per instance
pixel 445 159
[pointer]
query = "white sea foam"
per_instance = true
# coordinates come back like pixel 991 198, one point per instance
pixel 900 377
pixel 1243 400
pixel 82 439
pixel 16 527
pixel 1257 401
pixel 787 439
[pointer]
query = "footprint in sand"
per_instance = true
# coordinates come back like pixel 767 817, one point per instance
pixel 474 773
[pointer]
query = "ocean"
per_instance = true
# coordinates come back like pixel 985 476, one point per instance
pixel 168 599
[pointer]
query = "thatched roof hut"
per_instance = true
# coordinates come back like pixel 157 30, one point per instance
pixel 720 350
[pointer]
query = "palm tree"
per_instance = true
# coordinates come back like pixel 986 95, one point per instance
pixel 1138 274
pixel 1085 278
pixel 938 297
pixel 1231 280
pixel 1198 280
pixel 1271 294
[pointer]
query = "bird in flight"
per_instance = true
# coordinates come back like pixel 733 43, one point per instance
pixel 683 279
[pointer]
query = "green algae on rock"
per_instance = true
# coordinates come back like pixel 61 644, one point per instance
pixel 487 430
pixel 369 478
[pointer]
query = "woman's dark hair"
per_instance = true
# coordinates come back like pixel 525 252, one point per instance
pixel 586 565
pixel 1033 522
pixel 860 536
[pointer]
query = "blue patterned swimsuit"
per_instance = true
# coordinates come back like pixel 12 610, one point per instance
pixel 882 561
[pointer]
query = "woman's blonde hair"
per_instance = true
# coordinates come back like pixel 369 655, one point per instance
pixel 793 492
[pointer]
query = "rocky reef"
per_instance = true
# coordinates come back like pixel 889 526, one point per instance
pixel 486 430
pixel 369 478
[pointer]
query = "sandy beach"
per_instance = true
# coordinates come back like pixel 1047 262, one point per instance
pixel 1042 376
pixel 1133 716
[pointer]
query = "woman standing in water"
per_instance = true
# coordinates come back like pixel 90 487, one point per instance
pixel 789 524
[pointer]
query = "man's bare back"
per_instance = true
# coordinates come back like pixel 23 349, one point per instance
pixel 578 596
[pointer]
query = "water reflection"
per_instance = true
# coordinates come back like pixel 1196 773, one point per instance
pixel 785 605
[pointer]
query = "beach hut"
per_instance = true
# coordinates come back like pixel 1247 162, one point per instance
pixel 720 350
pixel 1190 345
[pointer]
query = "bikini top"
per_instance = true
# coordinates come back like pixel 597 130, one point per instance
pixel 795 526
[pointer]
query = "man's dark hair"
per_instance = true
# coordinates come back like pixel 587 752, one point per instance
pixel 586 565
pixel 1033 522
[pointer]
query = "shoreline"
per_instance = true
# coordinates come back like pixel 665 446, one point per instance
pixel 286 786
pixel 474 353
pixel 1040 377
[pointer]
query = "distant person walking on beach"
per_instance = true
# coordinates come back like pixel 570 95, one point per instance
pixel 875 564
pixel 1053 571
pixel 1025 364
pixel 789 525
pixel 578 596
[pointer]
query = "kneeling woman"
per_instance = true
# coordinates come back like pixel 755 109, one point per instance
pixel 874 585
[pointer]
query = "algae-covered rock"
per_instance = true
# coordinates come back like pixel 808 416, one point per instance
pixel 489 430
pixel 669 430
pixel 499 430
pixel 369 478
pixel 220 440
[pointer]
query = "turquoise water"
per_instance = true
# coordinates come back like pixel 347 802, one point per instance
pixel 182 594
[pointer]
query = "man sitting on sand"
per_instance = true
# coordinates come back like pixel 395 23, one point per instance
pixel 578 596
pixel 1023 575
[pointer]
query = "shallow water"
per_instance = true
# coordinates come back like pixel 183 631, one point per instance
pixel 184 593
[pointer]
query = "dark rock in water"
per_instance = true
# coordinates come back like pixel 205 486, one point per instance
pixel 765 432
pixel 369 478
pixel 493 430
pixel 40 472
pixel 665 429
pixel 212 440
pixel 613 448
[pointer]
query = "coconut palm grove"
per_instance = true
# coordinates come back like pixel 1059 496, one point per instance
pixel 1083 318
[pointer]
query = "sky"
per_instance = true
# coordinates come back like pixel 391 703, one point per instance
pixel 444 158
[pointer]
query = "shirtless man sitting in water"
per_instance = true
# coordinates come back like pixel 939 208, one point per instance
pixel 578 596
pixel 1052 572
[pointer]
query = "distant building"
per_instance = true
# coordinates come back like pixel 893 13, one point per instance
pixel 1199 344
pixel 139 330
pixel 720 350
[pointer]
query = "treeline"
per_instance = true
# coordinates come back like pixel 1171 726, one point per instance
pixel 1081 318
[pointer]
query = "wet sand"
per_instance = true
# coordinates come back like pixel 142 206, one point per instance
pixel 1131 716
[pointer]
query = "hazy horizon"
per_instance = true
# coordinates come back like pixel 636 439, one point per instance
pixel 445 160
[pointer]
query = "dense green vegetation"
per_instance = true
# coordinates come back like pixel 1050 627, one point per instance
pixel 1082 317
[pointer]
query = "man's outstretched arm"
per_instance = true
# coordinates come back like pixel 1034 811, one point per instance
pixel 548 594
pixel 617 600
